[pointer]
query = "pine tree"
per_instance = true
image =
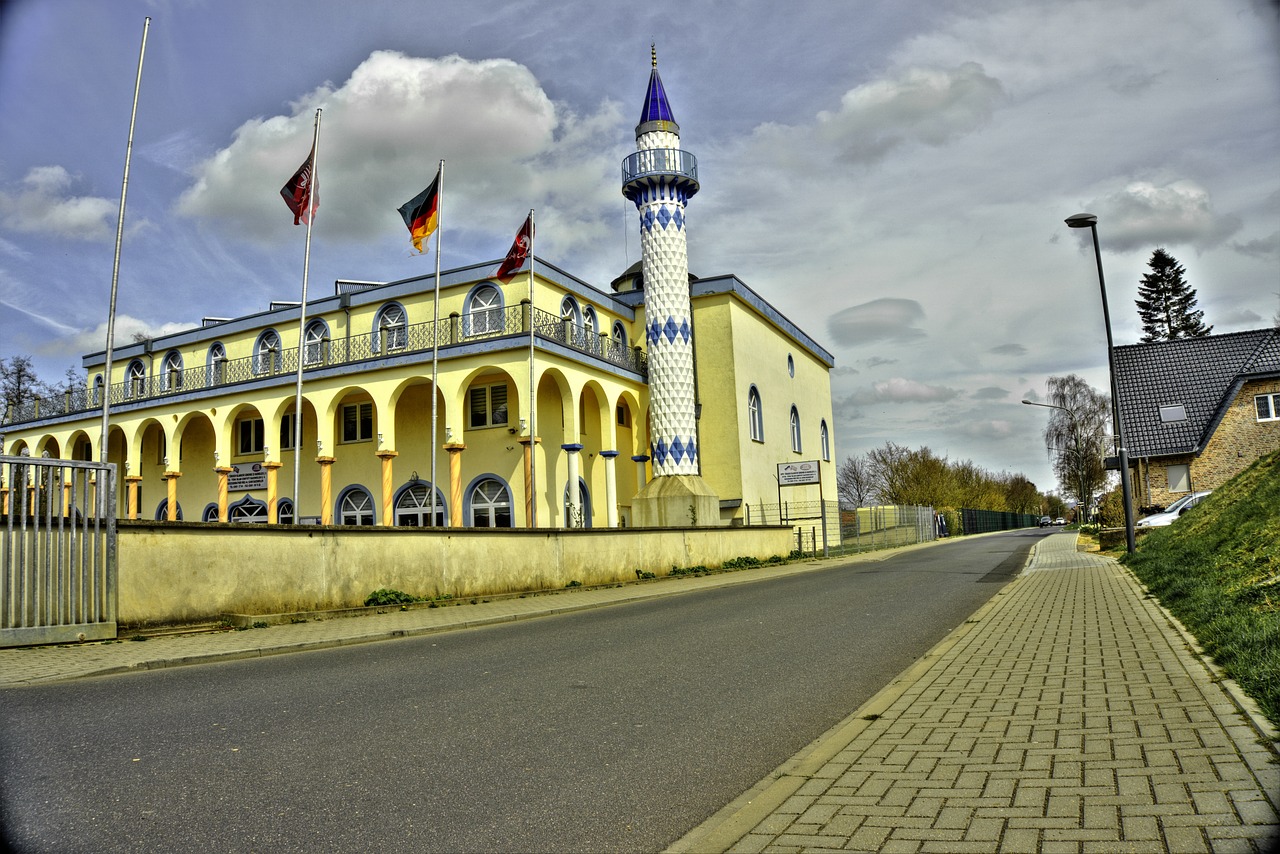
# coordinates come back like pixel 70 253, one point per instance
pixel 1167 304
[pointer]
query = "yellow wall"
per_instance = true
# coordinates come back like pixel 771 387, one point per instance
pixel 191 572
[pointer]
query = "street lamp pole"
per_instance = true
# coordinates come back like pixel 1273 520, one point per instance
pixel 1089 221
pixel 1075 451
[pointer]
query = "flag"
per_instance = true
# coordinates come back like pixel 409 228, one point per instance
pixel 519 250
pixel 422 213
pixel 301 193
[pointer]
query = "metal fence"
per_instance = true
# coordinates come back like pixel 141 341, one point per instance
pixel 393 340
pixel 824 528
pixel 57 551
pixel 986 521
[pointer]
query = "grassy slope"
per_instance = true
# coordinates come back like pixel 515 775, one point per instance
pixel 1217 569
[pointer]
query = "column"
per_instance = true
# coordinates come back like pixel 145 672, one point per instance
pixel 326 490
pixel 66 498
pixel 171 495
pixel 574 513
pixel 132 484
pixel 455 450
pixel 641 480
pixel 223 472
pixel 273 492
pixel 610 488
pixel 529 488
pixel 388 484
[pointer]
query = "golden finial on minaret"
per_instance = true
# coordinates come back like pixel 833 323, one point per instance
pixel 653 49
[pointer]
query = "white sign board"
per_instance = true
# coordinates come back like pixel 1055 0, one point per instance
pixel 247 476
pixel 798 474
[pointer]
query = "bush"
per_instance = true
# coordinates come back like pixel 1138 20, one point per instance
pixel 384 596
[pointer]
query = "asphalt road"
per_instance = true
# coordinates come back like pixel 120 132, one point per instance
pixel 616 729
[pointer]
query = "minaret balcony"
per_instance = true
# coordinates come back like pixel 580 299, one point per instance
pixel 659 166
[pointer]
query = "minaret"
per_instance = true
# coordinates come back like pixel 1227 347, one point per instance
pixel 660 179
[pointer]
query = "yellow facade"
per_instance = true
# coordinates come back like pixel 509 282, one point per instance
pixel 200 420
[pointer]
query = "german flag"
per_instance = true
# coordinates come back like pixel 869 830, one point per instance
pixel 422 213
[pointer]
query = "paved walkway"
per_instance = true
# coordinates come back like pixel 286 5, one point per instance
pixel 1069 714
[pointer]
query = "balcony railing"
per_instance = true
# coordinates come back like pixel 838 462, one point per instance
pixel 418 338
pixel 659 161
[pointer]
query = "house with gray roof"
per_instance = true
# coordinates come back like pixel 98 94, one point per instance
pixel 1197 411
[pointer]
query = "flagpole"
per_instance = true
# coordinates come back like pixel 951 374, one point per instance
pixel 115 266
pixel 533 395
pixel 435 338
pixel 312 197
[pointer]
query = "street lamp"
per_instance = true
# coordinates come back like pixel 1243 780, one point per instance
pixel 1089 221
pixel 1074 467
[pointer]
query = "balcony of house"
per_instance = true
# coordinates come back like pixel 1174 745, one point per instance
pixel 451 335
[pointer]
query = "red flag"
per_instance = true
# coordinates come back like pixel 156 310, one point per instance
pixel 421 214
pixel 519 251
pixel 301 193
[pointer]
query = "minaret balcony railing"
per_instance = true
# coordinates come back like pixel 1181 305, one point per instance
pixel 418 339
pixel 658 162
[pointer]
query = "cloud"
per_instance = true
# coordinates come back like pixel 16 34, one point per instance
pixel 885 319
pixel 990 393
pixel 43 205
pixel 126 328
pixel 929 106
pixel 1143 216
pixel 1009 350
pixel 1239 318
pixel 901 390
pixel 383 132
pixel 877 361
pixel 1265 247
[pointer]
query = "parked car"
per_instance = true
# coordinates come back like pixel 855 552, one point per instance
pixel 1059 521
pixel 1173 511
pixel 1045 521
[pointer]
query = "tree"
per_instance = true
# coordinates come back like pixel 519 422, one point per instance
pixel 1021 495
pixel 1167 304
pixel 18 383
pixel 853 481
pixel 1077 433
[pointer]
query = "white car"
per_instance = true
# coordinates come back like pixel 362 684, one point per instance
pixel 1173 511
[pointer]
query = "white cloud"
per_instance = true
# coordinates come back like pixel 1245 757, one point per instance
pixel 383 132
pixel 886 319
pixel 42 204
pixel 925 105
pixel 1142 216
pixel 902 390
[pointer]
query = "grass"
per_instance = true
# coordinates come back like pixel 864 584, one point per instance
pixel 1217 569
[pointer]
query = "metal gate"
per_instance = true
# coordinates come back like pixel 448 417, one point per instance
pixel 57 551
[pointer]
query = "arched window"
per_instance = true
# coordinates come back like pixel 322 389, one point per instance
pixel 569 311
pixel 267 358
pixel 247 509
pixel 172 376
pixel 97 390
pixel 490 505
pixel 390 330
pixel 316 342
pixel 825 437
pixel 162 511
pixel 355 506
pixel 210 513
pixel 791 366
pixel 484 311
pixel 755 415
pixel 136 379
pixel 619 334
pixel 583 519
pixel 284 511
pixel 795 430
pixel 217 363
pixel 589 320
pixel 413 507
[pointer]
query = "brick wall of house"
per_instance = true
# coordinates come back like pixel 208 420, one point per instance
pixel 1239 440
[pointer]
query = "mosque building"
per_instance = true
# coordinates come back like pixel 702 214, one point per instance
pixel 663 400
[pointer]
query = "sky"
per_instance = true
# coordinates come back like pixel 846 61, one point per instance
pixel 893 177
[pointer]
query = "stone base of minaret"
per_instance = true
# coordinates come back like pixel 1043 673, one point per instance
pixel 676 501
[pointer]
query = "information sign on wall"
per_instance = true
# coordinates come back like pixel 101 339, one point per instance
pixel 247 476
pixel 798 474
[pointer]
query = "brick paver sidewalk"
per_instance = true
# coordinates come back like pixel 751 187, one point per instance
pixel 1068 715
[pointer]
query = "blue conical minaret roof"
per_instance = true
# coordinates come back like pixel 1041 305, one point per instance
pixel 656 114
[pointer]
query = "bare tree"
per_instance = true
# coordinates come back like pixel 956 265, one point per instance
pixel 1078 434
pixel 854 483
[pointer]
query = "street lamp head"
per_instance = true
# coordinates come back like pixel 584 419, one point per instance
pixel 1082 220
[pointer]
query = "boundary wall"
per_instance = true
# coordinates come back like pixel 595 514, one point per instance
pixel 178 572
